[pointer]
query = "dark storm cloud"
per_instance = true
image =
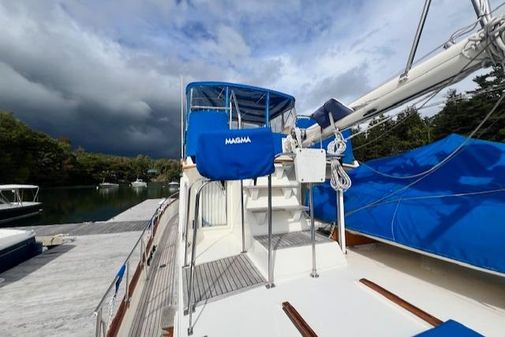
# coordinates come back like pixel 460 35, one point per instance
pixel 69 82
pixel 106 74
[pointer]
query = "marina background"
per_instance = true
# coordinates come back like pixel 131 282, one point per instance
pixel 76 204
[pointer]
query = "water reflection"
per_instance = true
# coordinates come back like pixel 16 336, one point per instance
pixel 86 203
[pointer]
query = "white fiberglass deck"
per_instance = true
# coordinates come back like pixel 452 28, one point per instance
pixel 336 304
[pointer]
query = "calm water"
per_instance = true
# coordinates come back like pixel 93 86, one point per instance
pixel 86 203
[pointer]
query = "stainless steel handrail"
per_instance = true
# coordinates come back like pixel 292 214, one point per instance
pixel 101 328
pixel 186 229
pixel 193 257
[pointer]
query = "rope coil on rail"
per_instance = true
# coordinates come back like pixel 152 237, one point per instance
pixel 340 180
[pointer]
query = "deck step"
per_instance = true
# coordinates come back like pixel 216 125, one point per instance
pixel 260 211
pixel 291 239
pixel 221 278
pixel 287 189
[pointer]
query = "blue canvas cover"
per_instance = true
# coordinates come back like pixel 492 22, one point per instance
pixel 450 329
pixel 277 139
pixel 202 121
pixel 456 212
pixel 235 154
pixel 333 107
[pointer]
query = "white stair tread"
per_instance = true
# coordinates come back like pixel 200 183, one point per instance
pixel 262 208
pixel 259 187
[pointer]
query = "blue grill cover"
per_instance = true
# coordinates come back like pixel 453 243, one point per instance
pixel 235 154
pixel 201 121
pixel 450 329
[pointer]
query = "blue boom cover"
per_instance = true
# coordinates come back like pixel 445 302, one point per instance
pixel 455 211
pixel 235 154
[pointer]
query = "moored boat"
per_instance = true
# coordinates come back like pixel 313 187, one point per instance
pixel 16 246
pixel 138 183
pixel 13 203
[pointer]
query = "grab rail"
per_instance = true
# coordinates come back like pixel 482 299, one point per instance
pixel 193 258
pixel 144 243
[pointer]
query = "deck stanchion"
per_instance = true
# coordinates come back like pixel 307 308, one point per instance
pixel 341 220
pixel 242 214
pixel 187 224
pixel 98 327
pixel 312 231
pixel 270 283
pixel 127 283
pixel 187 228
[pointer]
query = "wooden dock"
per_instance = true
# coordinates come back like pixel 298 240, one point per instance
pixel 88 228
pixel 55 293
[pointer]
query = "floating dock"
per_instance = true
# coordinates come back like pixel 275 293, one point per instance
pixel 54 293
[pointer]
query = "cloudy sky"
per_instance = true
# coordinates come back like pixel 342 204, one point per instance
pixel 105 73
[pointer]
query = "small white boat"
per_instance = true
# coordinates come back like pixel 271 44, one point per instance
pixel 106 185
pixel 13 205
pixel 138 183
pixel 173 186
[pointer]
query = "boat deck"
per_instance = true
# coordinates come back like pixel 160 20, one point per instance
pixel 160 291
pixel 224 277
pixel 336 303
pixel 291 239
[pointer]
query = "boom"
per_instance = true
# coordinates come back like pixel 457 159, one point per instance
pixel 457 61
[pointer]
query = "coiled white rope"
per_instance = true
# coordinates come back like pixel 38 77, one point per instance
pixel 340 180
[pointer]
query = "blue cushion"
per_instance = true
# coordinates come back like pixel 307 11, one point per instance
pixel 235 154
pixel 202 121
pixel 450 329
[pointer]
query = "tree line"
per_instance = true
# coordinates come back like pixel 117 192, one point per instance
pixel 28 156
pixel 460 114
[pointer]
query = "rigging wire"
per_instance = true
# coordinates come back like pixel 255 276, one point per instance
pixel 448 157
pixel 436 167
pixel 427 106
pixel 438 196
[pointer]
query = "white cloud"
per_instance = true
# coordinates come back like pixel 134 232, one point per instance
pixel 109 64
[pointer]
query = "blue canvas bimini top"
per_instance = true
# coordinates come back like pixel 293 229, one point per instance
pixel 257 105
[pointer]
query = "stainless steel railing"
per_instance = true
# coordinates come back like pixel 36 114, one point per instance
pixel 191 306
pixel 119 289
